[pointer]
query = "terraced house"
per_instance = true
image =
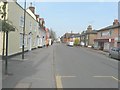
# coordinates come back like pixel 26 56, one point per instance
pixel 33 37
pixel 108 37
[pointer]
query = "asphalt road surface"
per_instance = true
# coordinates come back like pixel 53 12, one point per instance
pixel 78 67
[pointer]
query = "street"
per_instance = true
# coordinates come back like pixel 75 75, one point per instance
pixel 61 66
pixel 81 68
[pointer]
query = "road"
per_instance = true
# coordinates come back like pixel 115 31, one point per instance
pixel 61 66
pixel 78 67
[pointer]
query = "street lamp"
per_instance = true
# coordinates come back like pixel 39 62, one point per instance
pixel 4 17
pixel 23 45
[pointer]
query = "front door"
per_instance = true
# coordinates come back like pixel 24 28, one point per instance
pixel 30 42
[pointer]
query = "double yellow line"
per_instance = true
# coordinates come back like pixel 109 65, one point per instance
pixel 59 81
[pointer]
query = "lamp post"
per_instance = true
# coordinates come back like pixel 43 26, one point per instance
pixel 23 45
pixel 4 17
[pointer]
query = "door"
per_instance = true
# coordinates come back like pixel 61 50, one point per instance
pixel 30 42
pixel 40 42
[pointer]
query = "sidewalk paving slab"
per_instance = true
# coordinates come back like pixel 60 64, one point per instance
pixel 36 71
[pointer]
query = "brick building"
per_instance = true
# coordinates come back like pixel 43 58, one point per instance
pixel 108 37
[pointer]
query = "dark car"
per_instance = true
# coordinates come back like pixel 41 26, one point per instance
pixel 114 53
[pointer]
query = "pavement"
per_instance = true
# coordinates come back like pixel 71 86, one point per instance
pixel 35 71
pixel 99 51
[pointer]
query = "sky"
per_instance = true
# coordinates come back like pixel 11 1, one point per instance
pixel 67 16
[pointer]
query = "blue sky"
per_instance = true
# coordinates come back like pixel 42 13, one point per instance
pixel 65 17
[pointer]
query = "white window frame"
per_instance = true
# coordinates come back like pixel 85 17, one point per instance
pixel 21 40
pixel 21 23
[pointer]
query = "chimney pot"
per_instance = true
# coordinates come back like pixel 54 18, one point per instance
pixel 116 22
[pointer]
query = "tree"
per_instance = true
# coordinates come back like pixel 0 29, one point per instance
pixel 76 42
pixel 52 34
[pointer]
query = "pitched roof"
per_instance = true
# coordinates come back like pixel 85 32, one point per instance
pixel 68 35
pixel 109 27
pixel 92 32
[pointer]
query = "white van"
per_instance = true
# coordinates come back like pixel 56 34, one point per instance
pixel 70 43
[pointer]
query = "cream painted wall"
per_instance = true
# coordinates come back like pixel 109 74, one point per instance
pixel 1 42
pixel 29 11
pixel 14 14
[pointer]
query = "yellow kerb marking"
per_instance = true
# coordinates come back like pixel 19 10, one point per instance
pixel 59 82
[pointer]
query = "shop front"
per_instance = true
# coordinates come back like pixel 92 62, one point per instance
pixel 104 44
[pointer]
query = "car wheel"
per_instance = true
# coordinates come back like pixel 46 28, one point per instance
pixel 110 55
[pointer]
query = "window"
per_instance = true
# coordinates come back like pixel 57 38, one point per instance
pixel 21 40
pixel 110 32
pixel 87 37
pixel 35 27
pixel 30 27
pixel 22 21
pixel 101 34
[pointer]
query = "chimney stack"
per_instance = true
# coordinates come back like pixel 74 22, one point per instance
pixel 89 29
pixel 116 22
pixel 37 17
pixel 32 8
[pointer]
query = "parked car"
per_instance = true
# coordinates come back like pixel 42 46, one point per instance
pixel 114 53
pixel 70 43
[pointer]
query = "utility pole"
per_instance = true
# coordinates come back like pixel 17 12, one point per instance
pixel 6 58
pixel 23 45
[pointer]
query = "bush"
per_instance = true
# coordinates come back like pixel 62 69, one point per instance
pixel 76 42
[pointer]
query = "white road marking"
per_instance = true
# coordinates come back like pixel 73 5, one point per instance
pixel 116 79
pixel 102 76
pixel 18 59
pixel 68 76
pixel 107 77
